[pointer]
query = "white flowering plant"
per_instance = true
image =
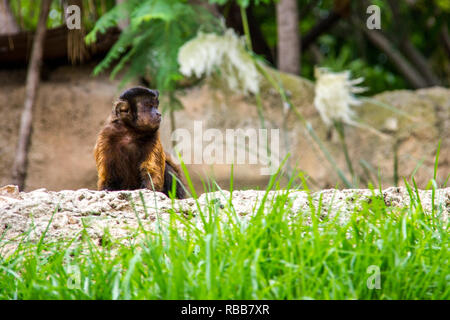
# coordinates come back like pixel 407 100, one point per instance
pixel 334 95
pixel 148 46
pixel 334 99
pixel 210 52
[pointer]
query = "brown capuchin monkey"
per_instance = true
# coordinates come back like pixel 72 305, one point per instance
pixel 129 154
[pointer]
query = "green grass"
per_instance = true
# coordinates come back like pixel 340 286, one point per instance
pixel 270 254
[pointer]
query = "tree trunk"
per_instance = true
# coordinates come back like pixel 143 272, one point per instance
pixel 8 24
pixel 420 62
pixel 403 66
pixel 20 162
pixel 288 56
pixel 408 49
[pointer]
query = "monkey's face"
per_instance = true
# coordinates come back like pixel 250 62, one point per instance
pixel 148 117
pixel 138 109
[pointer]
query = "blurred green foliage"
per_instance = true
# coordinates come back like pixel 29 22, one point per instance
pixel 26 12
pixel 344 48
pixel 242 3
pixel 156 31
pixel 340 47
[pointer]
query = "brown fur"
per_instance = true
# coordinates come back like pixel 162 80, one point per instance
pixel 128 158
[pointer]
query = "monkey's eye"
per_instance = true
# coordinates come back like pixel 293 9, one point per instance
pixel 122 107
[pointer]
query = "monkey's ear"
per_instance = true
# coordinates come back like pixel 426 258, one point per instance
pixel 121 106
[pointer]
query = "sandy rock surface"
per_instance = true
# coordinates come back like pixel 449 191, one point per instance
pixel 72 106
pixel 118 211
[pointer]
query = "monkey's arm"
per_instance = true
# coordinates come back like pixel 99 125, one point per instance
pixel 100 164
pixel 155 166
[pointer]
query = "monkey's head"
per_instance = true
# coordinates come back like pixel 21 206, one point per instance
pixel 138 109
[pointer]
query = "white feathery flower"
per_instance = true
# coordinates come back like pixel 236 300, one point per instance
pixel 209 52
pixel 334 95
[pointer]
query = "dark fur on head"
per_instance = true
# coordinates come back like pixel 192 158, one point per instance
pixel 137 108
pixel 130 94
